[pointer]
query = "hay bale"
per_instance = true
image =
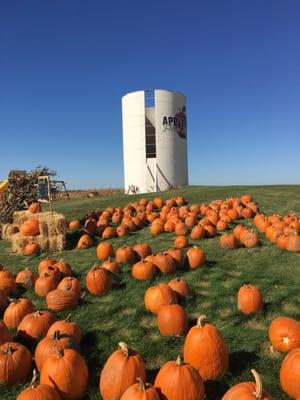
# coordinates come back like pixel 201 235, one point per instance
pixel 43 242
pixel 57 243
pixel 21 216
pixel 43 226
pixel 8 230
pixel 19 242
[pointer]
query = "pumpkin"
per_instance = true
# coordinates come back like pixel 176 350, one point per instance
pixel 284 333
pixel 180 287
pixel 16 311
pixel 290 373
pixel 38 392
pixel 111 266
pixel 198 232
pixel 70 283
pixel 34 208
pixel 222 225
pixel 47 345
pixel 140 391
pixel 247 213
pixel 247 390
pixel 64 268
pixel 282 242
pixel 172 320
pixel 104 250
pixel 98 281
pixel 7 284
pixel 109 232
pixel 245 198
pixel 142 250
pixel 74 224
pixel 205 350
pixel 26 277
pixel 293 243
pixel 196 257
pixel 5 336
pixel 30 227
pixel 178 256
pixel 15 362
pixel 35 325
pixel 237 231
pixel 62 299
pixel 45 283
pixel 120 371
pixel 181 242
pixel 181 229
pixel 250 299
pixel 156 228
pixel 228 242
pixel 31 248
pixel 90 226
pixel 67 328
pixel 210 231
pixel 169 226
pixel 125 255
pixel 143 270
pixel 249 238
pixel 85 242
pixel 67 372
pixel 179 381
pixel 165 263
pixel 157 296
pixel 45 263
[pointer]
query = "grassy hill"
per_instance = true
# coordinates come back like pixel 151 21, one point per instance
pixel 120 315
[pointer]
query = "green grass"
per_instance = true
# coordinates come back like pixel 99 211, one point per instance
pixel 120 315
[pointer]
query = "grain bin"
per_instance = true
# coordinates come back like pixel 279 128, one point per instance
pixel 154 140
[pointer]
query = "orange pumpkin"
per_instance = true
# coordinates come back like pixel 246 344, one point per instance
pixel 140 391
pixel 205 350
pixel 98 281
pixel 290 373
pixel 293 243
pixel 157 296
pixel 228 241
pixel 142 250
pixel 164 263
pixel 35 325
pixel 70 283
pixel 284 333
pixel 16 311
pixel 179 381
pixel 250 299
pixel 125 255
pixel 38 392
pixel 104 250
pixel 31 248
pixel 120 371
pixel 247 390
pixel 181 242
pixel 198 232
pixel 34 208
pixel 15 362
pixel 111 266
pixel 180 287
pixel 30 227
pixel 196 257
pixel 85 242
pixel 143 270
pixel 67 328
pixel 26 277
pixel 172 320
pixel 74 224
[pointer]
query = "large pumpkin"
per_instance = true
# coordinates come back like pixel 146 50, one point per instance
pixel 62 299
pixel 35 325
pixel 66 327
pixel 157 296
pixel 143 270
pixel 290 373
pixel 16 311
pixel 172 320
pixel 120 371
pixel 38 392
pixel 165 263
pixel 67 372
pixel 247 390
pixel 98 281
pixel 250 299
pixel 5 336
pixel 15 362
pixel 47 345
pixel 125 255
pixel 284 333
pixel 205 350
pixel 179 381
pixel 140 391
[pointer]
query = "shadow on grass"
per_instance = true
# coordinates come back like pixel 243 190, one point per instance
pixel 215 390
pixel 240 360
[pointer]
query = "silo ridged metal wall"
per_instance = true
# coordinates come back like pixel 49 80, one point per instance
pixel 144 171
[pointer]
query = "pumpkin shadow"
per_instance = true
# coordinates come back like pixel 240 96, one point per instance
pixel 267 307
pixel 215 390
pixel 210 264
pixel 151 374
pixel 241 360
pixel 72 239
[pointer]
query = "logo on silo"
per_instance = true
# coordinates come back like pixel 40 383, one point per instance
pixel 176 123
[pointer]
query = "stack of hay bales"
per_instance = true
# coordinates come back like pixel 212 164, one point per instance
pixel 52 227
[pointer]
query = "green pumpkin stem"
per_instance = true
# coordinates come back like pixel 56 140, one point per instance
pixel 258 388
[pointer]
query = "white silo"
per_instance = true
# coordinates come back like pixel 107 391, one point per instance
pixel 154 140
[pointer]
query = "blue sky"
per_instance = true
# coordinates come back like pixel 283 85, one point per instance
pixel 64 66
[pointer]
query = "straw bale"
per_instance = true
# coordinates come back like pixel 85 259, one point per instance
pixel 21 216
pixel 43 242
pixel 57 243
pixel 43 228
pixel 19 242
pixel 8 230
pixel 57 225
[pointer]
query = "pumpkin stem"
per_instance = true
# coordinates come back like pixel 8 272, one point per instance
pixel 142 385
pixel 59 352
pixel 125 348
pixel 9 351
pixel 200 321
pixel 37 313
pixel 258 389
pixel 68 318
pixel 56 335
pixel 34 378
pixel 178 360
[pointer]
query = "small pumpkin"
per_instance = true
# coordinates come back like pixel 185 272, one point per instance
pixel 228 241
pixel 157 296
pixel 26 277
pixel 143 270
pixel 31 248
pixel 74 224
pixel 180 287
pixel 111 266
pixel 177 380
pixel 120 371
pixel 104 250
pixel 67 328
pixel 34 208
pixel 35 325
pixel 30 227
pixel 70 283
pixel 16 311
pixel 125 255
pixel 196 257
pixel 181 242
pixel 164 263
pixel 38 392
pixel 284 333
pixel 85 242
pixel 142 250
pixel 250 300
pixel 140 391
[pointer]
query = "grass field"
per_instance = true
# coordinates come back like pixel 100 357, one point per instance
pixel 120 315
